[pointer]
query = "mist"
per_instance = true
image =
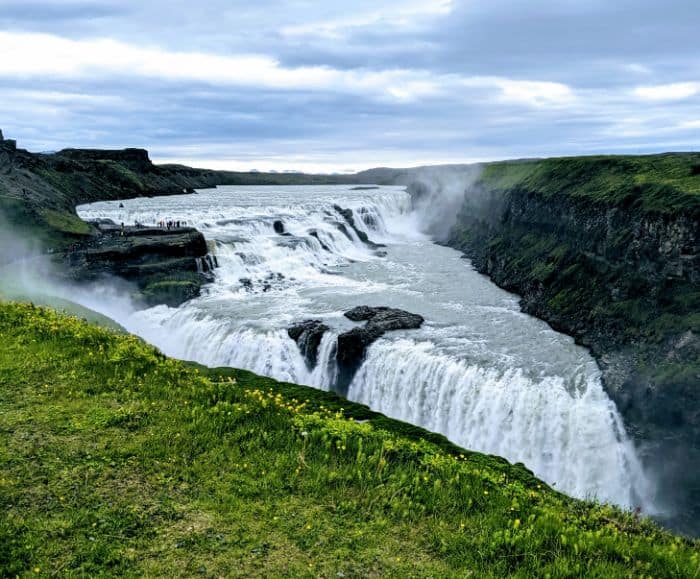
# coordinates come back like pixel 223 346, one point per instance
pixel 28 273
pixel 25 270
pixel 438 194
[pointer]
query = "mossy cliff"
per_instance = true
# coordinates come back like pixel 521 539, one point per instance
pixel 606 249
pixel 117 461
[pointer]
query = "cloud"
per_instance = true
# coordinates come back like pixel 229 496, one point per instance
pixel 533 93
pixel 294 83
pixel 403 16
pixel 28 10
pixel 47 55
pixel 637 68
pixel 668 92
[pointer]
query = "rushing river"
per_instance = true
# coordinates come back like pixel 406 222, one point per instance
pixel 480 371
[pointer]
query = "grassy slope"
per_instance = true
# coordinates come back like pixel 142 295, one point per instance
pixel 116 460
pixel 667 183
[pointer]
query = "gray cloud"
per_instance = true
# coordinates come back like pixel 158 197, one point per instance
pixel 473 83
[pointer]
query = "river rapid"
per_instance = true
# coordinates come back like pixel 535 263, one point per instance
pixel 481 372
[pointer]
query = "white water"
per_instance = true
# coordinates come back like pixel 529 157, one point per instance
pixel 480 371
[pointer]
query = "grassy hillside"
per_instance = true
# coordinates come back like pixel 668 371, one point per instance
pixel 667 183
pixel 116 460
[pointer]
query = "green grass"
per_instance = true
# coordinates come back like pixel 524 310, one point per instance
pixel 665 183
pixel 65 222
pixel 45 227
pixel 118 173
pixel 115 460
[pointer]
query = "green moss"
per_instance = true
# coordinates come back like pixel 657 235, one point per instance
pixel 118 461
pixel 65 222
pixel 171 292
pixel 119 174
pixel 542 270
pixel 654 183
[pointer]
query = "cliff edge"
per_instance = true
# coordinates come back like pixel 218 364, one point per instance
pixel 605 249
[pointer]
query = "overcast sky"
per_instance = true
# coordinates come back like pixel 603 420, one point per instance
pixel 338 85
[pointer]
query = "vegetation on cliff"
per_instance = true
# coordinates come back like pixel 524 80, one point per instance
pixel 117 460
pixel 667 183
pixel 595 269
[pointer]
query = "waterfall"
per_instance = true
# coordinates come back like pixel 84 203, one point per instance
pixel 506 413
pixel 482 373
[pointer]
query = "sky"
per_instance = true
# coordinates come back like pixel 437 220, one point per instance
pixel 333 85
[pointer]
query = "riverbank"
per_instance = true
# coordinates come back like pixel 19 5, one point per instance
pixel 118 460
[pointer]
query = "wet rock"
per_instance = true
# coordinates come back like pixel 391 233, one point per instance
pixel 308 335
pixel 278 225
pixel 292 242
pixel 166 266
pixel 352 345
pixel 385 318
pixel 314 234
pixel 350 219
pixel 344 230
pixel 368 219
pixel 246 283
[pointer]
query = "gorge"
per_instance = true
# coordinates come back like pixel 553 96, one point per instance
pixel 479 371
pixel 621 427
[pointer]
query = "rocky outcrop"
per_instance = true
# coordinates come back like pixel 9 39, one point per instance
pixel 308 335
pixel 622 278
pixel 353 344
pixel 39 193
pixel 168 265
pixel 134 159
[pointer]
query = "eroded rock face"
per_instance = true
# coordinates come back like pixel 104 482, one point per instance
pixel 168 265
pixel 308 335
pixel 622 282
pixel 352 345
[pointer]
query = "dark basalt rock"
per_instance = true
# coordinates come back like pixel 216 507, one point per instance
pixel 314 234
pixel 385 318
pixel 352 345
pixel 308 335
pixel 133 158
pixel 350 219
pixel 168 266
pixel 278 226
